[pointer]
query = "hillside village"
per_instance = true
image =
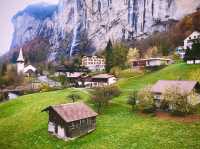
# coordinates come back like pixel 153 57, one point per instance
pixel 118 98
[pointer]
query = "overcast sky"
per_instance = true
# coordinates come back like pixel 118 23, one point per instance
pixel 8 9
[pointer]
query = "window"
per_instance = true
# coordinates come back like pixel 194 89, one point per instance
pixel 72 125
pixel 88 121
pixel 83 121
pixel 77 125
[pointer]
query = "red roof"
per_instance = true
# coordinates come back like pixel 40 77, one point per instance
pixel 74 111
pixel 184 86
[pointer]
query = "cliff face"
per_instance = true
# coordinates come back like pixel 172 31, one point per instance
pixel 65 25
pixel 32 22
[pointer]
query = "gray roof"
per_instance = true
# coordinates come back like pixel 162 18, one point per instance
pixel 163 85
pixel 103 76
pixel 74 111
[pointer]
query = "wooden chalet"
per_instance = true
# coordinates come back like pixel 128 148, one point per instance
pixel 76 79
pixel 162 86
pixel 68 121
pixel 102 80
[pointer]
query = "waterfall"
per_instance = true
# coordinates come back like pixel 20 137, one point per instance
pixel 133 13
pixel 79 26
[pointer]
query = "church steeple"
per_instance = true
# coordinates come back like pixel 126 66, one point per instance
pixel 20 63
pixel 20 57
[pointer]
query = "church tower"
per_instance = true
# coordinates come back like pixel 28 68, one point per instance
pixel 20 63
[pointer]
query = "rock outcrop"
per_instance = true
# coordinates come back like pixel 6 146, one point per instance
pixel 72 21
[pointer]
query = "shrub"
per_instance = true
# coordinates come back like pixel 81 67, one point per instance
pixel 180 103
pixel 64 81
pixel 115 71
pixel 11 77
pixel 46 88
pixel 164 105
pixel 74 97
pixel 102 95
pixel 176 57
pixel 195 75
pixel 2 97
pixel 132 99
pixel 181 107
pixel 112 91
pixel 146 100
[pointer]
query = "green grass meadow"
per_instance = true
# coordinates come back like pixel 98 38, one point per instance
pixel 24 126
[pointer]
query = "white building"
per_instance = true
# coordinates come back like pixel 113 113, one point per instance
pixel 180 51
pixel 74 74
pixel 188 42
pixel 193 62
pixel 94 63
pixel 21 69
pixel 151 62
pixel 29 69
pixel 101 80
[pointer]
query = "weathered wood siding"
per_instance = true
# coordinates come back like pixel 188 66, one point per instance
pixel 81 127
pixel 72 129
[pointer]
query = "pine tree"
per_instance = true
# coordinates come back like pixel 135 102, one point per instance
pixel 196 50
pixel 188 55
pixel 194 53
pixel 109 56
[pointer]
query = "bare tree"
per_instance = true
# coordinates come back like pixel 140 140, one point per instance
pixel 179 102
pixel 146 100
pixel 102 95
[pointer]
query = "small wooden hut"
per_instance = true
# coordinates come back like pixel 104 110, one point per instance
pixel 68 121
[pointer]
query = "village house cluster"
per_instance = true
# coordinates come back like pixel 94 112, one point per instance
pixel 159 61
pixel 69 121
pixel 81 78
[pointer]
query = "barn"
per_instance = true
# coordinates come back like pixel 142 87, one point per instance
pixel 69 121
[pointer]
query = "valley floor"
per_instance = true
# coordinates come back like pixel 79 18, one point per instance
pixel 23 125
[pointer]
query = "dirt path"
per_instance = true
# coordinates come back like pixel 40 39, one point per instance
pixel 182 119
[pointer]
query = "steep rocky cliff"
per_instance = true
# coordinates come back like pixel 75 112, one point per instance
pixel 65 25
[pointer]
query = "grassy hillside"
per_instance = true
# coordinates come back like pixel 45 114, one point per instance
pixel 23 125
pixel 180 71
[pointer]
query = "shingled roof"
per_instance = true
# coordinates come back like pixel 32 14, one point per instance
pixel 74 111
pixel 184 86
